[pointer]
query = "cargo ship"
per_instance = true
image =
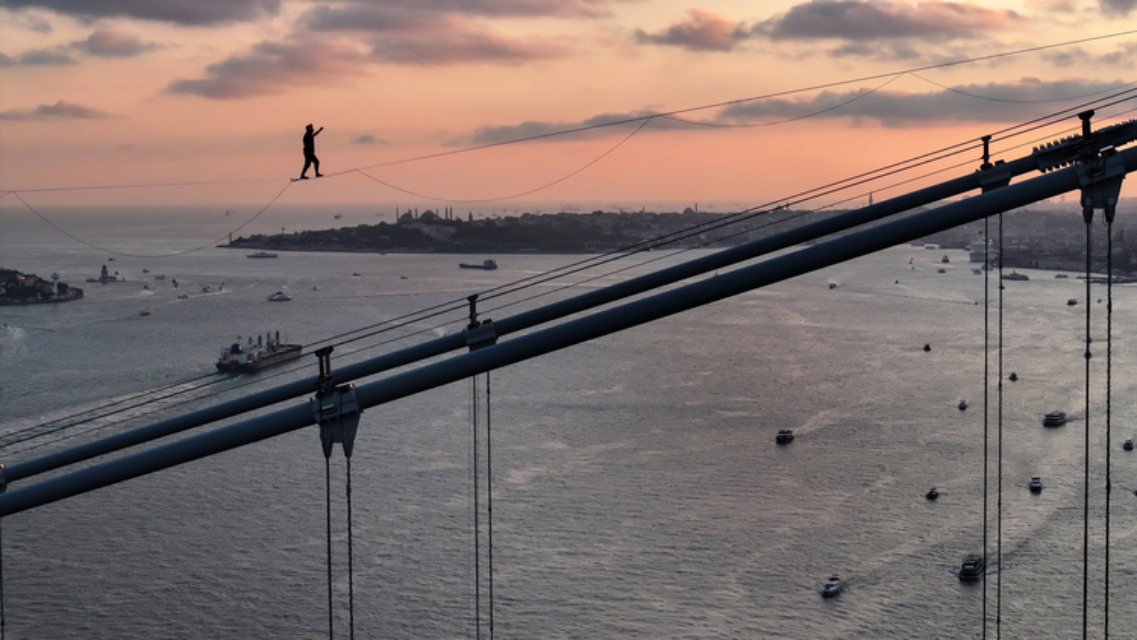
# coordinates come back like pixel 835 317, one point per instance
pixel 488 265
pixel 268 351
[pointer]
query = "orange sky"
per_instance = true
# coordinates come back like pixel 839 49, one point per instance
pixel 160 91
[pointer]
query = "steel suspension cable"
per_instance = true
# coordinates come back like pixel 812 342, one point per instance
pixel 489 499
pixel 999 463
pixel 328 505
pixel 477 522
pixel 1086 465
pixel 1108 403
pixel 986 396
pixel 350 568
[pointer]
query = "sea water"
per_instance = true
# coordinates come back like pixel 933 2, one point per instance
pixel 637 491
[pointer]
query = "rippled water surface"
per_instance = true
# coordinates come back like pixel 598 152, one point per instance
pixel 637 489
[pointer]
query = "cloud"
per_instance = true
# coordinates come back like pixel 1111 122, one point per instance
pixel 1118 7
pixel 703 31
pixel 54 57
pixel 385 15
pixel 991 102
pixel 421 33
pixel 460 44
pixel 112 43
pixel 272 68
pixel 1057 6
pixel 604 124
pixel 882 19
pixel 367 139
pixel 59 111
pixel 183 12
pixel 29 22
pixel 1123 56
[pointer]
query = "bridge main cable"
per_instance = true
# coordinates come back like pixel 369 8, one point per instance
pixel 570 333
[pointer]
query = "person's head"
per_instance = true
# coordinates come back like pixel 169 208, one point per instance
pixel 309 127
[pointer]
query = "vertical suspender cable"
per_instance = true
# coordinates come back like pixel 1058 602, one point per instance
pixel 1 579
pixel 477 524
pixel 328 503
pixel 1108 402
pixel 350 569
pixel 986 395
pixel 999 465
pixel 1086 470
pixel 489 499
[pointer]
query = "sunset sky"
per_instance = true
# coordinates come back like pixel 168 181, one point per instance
pixel 146 92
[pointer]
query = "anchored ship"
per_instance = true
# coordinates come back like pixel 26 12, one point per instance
pixel 268 351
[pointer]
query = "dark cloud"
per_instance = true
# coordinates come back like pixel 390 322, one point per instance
pixel 605 124
pixel 112 43
pixel 703 31
pixel 54 57
pixel 894 50
pixel 460 44
pixel 882 19
pixel 1124 55
pixel 992 102
pixel 367 139
pixel 59 111
pixel 184 12
pixel 385 15
pixel 1118 7
pixel 272 68
pixel 443 32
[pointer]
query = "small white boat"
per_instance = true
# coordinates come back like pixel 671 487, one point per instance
pixel 832 586
pixel 279 296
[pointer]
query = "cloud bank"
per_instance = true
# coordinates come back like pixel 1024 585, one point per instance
pixel 271 68
pixel 703 31
pixel 183 12
pixel 53 112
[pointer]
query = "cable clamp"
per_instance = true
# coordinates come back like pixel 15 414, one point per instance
pixel 338 414
pixel 484 334
pixel 335 408
pixel 1100 178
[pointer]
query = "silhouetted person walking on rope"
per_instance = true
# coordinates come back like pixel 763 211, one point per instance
pixel 310 159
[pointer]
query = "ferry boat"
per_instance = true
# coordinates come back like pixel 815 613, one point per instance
pixel 1036 485
pixel 267 352
pixel 279 296
pixel 1054 419
pixel 1015 275
pixel 932 494
pixel 785 436
pixel 1128 445
pixel 488 265
pixel 972 568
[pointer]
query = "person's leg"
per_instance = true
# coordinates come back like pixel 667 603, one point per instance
pixel 307 163
pixel 316 166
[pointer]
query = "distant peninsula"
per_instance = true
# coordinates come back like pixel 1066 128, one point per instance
pixel 1040 238
pixel 22 288
pixel 565 233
